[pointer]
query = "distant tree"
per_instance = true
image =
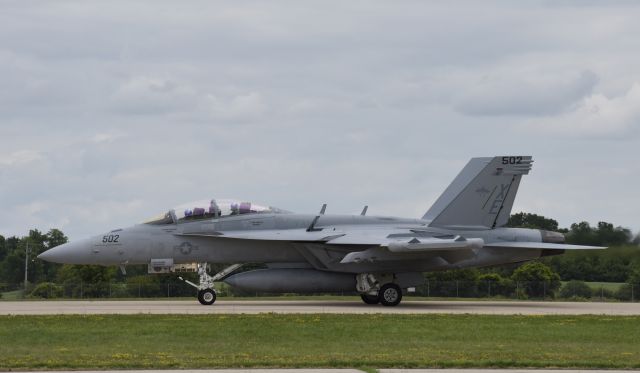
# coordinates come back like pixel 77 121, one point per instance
pixel 604 234
pixel 145 286
pixel 467 274
pixel 12 268
pixel 12 256
pixel 37 242
pixel 634 277
pixel 55 238
pixel 47 270
pixel 581 234
pixel 575 288
pixel 537 279
pixel 612 265
pixel 86 280
pixel 90 274
pixel 608 235
pixel 461 282
pixel 534 221
pixel 3 249
pixel 630 290
pixel 493 284
pixel 11 244
pixel 47 290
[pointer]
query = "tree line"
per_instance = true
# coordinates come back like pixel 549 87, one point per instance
pixel 620 263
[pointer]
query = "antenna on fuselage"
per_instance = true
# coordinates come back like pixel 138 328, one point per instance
pixel 364 211
pixel 315 220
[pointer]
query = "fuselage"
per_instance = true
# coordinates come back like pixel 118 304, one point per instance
pixel 201 241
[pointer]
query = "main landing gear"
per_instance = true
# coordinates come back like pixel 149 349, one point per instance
pixel 371 292
pixel 390 294
pixel 206 288
pixel 370 298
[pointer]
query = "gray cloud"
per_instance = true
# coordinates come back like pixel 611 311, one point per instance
pixel 597 116
pixel 112 113
pixel 522 94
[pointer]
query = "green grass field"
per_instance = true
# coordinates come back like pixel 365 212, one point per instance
pixel 12 295
pixel 361 341
pixel 610 286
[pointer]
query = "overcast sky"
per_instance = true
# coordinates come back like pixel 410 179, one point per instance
pixel 112 112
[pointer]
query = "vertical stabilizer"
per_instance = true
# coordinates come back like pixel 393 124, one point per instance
pixel 482 194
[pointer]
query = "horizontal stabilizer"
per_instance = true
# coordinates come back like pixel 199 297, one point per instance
pixel 542 246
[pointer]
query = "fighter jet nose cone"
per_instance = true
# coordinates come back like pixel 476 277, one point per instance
pixel 53 255
pixel 66 253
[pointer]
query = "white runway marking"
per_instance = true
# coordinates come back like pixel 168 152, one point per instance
pixel 283 306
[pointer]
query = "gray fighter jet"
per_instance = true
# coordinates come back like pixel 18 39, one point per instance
pixel 375 256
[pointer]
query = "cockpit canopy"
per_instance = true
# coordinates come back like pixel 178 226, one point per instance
pixel 208 209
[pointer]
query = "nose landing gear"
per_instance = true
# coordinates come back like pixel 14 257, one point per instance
pixel 206 288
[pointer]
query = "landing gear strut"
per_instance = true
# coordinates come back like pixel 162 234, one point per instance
pixel 206 288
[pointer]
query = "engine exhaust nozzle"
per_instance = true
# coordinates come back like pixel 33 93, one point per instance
pixel 552 237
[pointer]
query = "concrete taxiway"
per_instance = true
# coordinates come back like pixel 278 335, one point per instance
pixel 284 306
pixel 354 371
pixel 212 371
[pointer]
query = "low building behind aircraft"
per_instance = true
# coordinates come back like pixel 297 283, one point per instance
pixel 375 256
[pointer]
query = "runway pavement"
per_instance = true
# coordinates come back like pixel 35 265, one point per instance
pixel 354 371
pixel 284 306
pixel 211 371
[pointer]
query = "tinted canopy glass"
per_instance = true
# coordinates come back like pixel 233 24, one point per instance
pixel 213 208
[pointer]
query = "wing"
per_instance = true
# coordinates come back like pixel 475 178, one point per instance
pixel 386 244
pixel 395 239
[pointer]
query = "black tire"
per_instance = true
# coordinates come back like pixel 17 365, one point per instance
pixel 370 299
pixel 390 294
pixel 207 297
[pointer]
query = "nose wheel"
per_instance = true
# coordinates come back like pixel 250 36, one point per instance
pixel 206 297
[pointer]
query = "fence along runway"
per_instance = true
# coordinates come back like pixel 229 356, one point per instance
pixel 101 307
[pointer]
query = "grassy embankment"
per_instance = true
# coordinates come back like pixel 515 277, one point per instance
pixel 268 340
